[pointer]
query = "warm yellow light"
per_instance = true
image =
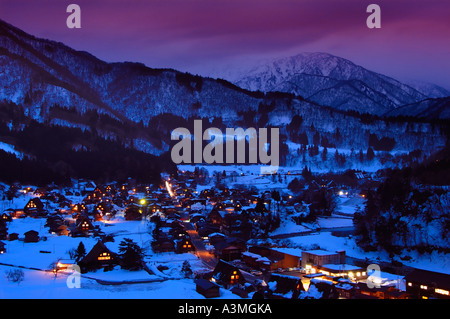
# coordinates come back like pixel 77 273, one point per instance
pixel 143 201
pixel 442 291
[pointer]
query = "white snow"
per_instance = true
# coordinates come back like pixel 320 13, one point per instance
pixel 10 149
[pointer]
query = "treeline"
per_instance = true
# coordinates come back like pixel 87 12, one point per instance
pixel 162 125
pixel 55 153
pixel 28 171
pixel 407 211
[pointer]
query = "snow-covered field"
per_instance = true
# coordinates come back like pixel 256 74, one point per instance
pixel 38 284
pixel 168 284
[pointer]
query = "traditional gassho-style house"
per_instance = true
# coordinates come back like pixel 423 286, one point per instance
pixel 78 208
pixel 184 245
pixel 14 213
pixel 83 226
pixel 6 217
pixel 227 275
pixel 98 257
pixel 216 216
pixel 34 207
pixel 230 249
pixel 154 208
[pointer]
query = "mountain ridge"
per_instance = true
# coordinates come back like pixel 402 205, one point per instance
pixel 309 73
pixel 139 105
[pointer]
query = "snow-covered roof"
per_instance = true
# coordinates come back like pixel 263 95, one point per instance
pixel 319 252
pixel 341 267
pixel 297 252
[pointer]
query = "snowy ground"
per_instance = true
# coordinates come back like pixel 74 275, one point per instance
pixel 38 284
pixel 41 284
pixel 10 149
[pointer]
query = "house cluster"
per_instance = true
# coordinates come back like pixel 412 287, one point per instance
pixel 322 275
pixel 224 219
pixel 169 235
pixel 73 211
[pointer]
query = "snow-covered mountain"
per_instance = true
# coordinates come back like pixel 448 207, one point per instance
pixel 436 108
pixel 330 80
pixel 429 89
pixel 139 106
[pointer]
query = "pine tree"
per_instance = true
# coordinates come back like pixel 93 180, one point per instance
pixel 260 206
pixel 370 154
pixel 131 255
pixel 361 156
pixel 186 269
pixel 324 154
pixel 80 251
pixel 306 173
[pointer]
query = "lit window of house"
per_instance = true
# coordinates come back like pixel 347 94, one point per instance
pixel 104 256
pixel 234 277
pixel 442 291
pixel 187 245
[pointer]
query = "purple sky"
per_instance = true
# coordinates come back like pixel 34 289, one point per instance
pixel 200 35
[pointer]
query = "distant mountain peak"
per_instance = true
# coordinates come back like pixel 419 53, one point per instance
pixel 330 80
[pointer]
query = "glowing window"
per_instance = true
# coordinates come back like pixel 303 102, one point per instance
pixel 104 256
pixel 442 291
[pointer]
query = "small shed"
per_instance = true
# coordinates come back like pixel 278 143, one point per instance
pixel 31 236
pixel 207 288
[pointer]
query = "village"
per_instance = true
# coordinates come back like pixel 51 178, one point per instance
pixel 209 240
